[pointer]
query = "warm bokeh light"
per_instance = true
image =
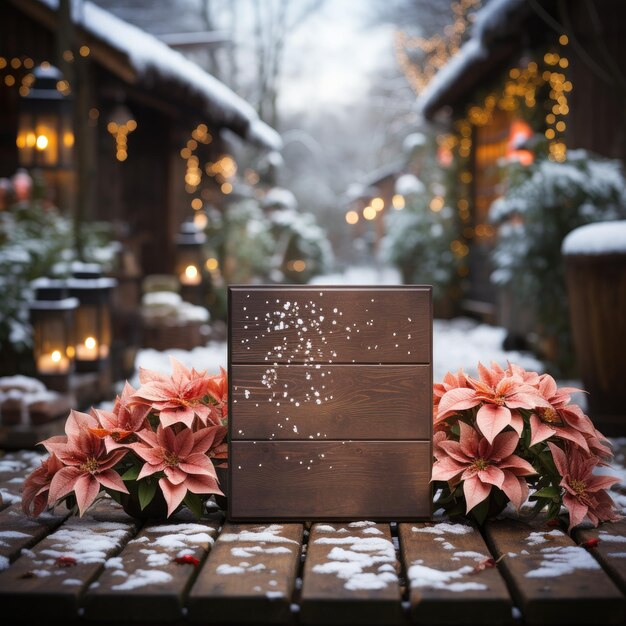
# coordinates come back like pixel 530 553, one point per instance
pixel 42 142
pixel 226 188
pixel 191 272
pixel 369 212
pixel 196 204
pixel 200 219
pixel 378 204
pixel 352 217
pixel 398 202
pixel 55 356
pixel 212 264
pixel 436 204
pixel 298 265
pixel 90 343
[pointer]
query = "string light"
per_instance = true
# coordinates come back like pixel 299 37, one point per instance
pixel 352 217
pixel 120 132
pixel 435 51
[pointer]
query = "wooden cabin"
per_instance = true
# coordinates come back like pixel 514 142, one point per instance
pixel 513 78
pixel 146 129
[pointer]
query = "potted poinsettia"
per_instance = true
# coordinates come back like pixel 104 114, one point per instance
pixel 510 436
pixel 157 450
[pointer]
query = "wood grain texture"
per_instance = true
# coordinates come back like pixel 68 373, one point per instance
pixel 552 580
pixel 318 480
pixel 125 589
pixel 50 579
pixel 331 402
pixel 610 550
pixel 17 531
pixel 451 552
pixel 351 576
pixel 330 325
pixel 249 576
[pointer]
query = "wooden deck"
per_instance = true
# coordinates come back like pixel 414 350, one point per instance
pixel 106 567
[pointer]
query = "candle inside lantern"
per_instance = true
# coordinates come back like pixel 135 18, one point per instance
pixel 54 362
pixel 87 350
pixel 191 276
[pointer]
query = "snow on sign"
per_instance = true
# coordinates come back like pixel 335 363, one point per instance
pixel 330 402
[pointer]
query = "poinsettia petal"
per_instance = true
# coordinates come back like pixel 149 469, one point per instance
pixel 517 422
pixel 475 492
pixel 148 469
pixel 457 400
pixel 515 488
pixel 63 482
pixel 446 469
pixel 197 464
pixel 86 489
pixel 601 481
pixel 179 415
pixel 492 475
pixel 454 451
pixel 492 419
pixel 203 484
pixel 577 510
pixel 517 465
pixel 148 376
pixel 111 480
pixel 175 475
pixel 173 494
pixel 560 460
pixel 572 435
pixel 504 445
pixel 539 431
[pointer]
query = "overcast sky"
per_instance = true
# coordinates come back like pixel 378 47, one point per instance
pixel 333 55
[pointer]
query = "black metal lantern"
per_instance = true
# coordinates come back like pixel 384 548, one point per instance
pixel 93 318
pixel 52 316
pixel 45 137
pixel 190 255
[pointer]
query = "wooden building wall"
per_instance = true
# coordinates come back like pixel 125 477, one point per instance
pixel 597 118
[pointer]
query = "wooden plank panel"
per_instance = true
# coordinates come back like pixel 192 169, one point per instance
pixel 332 402
pixel 145 583
pixel 351 576
pixel 324 480
pixel 17 531
pixel 249 576
pixel 330 325
pixel 553 581
pixel 610 550
pixel 50 578
pixel 447 584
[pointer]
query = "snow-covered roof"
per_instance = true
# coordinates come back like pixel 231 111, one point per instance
pixel 597 238
pixel 151 59
pixel 488 45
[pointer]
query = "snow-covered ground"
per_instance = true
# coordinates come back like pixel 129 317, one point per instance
pixel 458 343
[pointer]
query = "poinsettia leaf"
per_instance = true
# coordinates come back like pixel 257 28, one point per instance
pixel 194 504
pixel 548 492
pixel 131 473
pixel 147 489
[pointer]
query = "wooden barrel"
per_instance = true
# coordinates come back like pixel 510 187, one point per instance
pixel 595 261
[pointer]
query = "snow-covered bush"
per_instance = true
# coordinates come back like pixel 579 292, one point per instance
pixel 32 241
pixel 544 202
pixel 418 242
pixel 302 249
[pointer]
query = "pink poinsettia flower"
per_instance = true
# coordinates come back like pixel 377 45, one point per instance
pixel 218 390
pixel 178 398
pixel 559 418
pixel 530 378
pixel 117 427
pixel 37 486
pixel 482 465
pixel 88 465
pixel 183 458
pixel 585 492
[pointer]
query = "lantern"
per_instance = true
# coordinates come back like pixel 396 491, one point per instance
pixel 190 254
pixel 45 137
pixel 93 318
pixel 52 317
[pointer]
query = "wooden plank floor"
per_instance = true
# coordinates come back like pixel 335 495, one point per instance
pixel 107 568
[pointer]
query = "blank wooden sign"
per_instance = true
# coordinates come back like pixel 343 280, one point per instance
pixel 330 402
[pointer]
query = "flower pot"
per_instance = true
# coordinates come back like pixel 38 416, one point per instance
pixel 596 282
pixel 157 509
